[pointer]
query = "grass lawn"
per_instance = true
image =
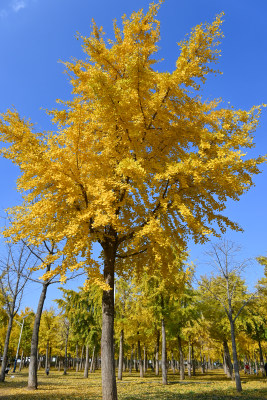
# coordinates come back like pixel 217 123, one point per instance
pixel 212 385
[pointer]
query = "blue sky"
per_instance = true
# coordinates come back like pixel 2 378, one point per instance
pixel 35 35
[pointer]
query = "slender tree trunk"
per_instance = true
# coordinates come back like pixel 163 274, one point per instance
pixel 131 359
pixel 164 354
pixel 120 356
pixel 236 369
pixel 227 360
pixel 86 368
pixel 193 361
pixel 181 363
pixel 33 367
pixel 140 360
pixel 109 388
pixel 144 363
pixel 66 351
pixel 263 372
pixel 21 362
pixel 77 356
pixel 173 364
pixel 135 361
pixel 39 361
pixel 256 364
pixel 92 360
pixel 81 361
pixel 157 355
pixel 189 361
pixel 46 356
pixel 4 362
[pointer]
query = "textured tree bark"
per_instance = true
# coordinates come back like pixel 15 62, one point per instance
pixel 181 363
pixel 4 362
pixel 120 356
pixel 164 354
pixel 109 388
pixel 227 360
pixel 236 369
pixel 33 367
pixel 86 367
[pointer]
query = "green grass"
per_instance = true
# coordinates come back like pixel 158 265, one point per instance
pixel 211 386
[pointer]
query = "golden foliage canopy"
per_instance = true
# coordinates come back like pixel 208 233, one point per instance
pixel 137 157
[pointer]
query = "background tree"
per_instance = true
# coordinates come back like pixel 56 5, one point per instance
pixel 218 328
pixel 256 326
pixel 228 289
pixel 83 311
pixel 123 299
pixel 46 249
pixel 138 161
pixel 49 328
pixel 13 278
pixel 20 339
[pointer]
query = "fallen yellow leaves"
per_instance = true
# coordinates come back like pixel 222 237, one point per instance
pixel 210 386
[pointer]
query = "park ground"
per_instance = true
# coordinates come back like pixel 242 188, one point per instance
pixel 211 386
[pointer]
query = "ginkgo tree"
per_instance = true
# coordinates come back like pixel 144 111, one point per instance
pixel 137 161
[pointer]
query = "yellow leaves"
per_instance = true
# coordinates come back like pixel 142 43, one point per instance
pixel 95 278
pixel 197 52
pixel 129 167
pixel 135 153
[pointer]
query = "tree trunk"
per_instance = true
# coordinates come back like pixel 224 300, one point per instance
pixel 144 363
pixel 66 351
pixel 256 364
pixel 46 356
pixel 193 361
pixel 236 369
pixel 21 362
pixel 81 361
pixel 181 363
pixel 120 357
pixel 227 360
pixel 92 361
pixel 109 388
pixel 33 367
pixel 131 360
pixel 157 355
pixel 164 354
pixel 189 361
pixel 86 368
pixel 77 356
pixel 4 362
pixel 140 360
pixel 135 361
pixel 263 372
pixel 173 364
